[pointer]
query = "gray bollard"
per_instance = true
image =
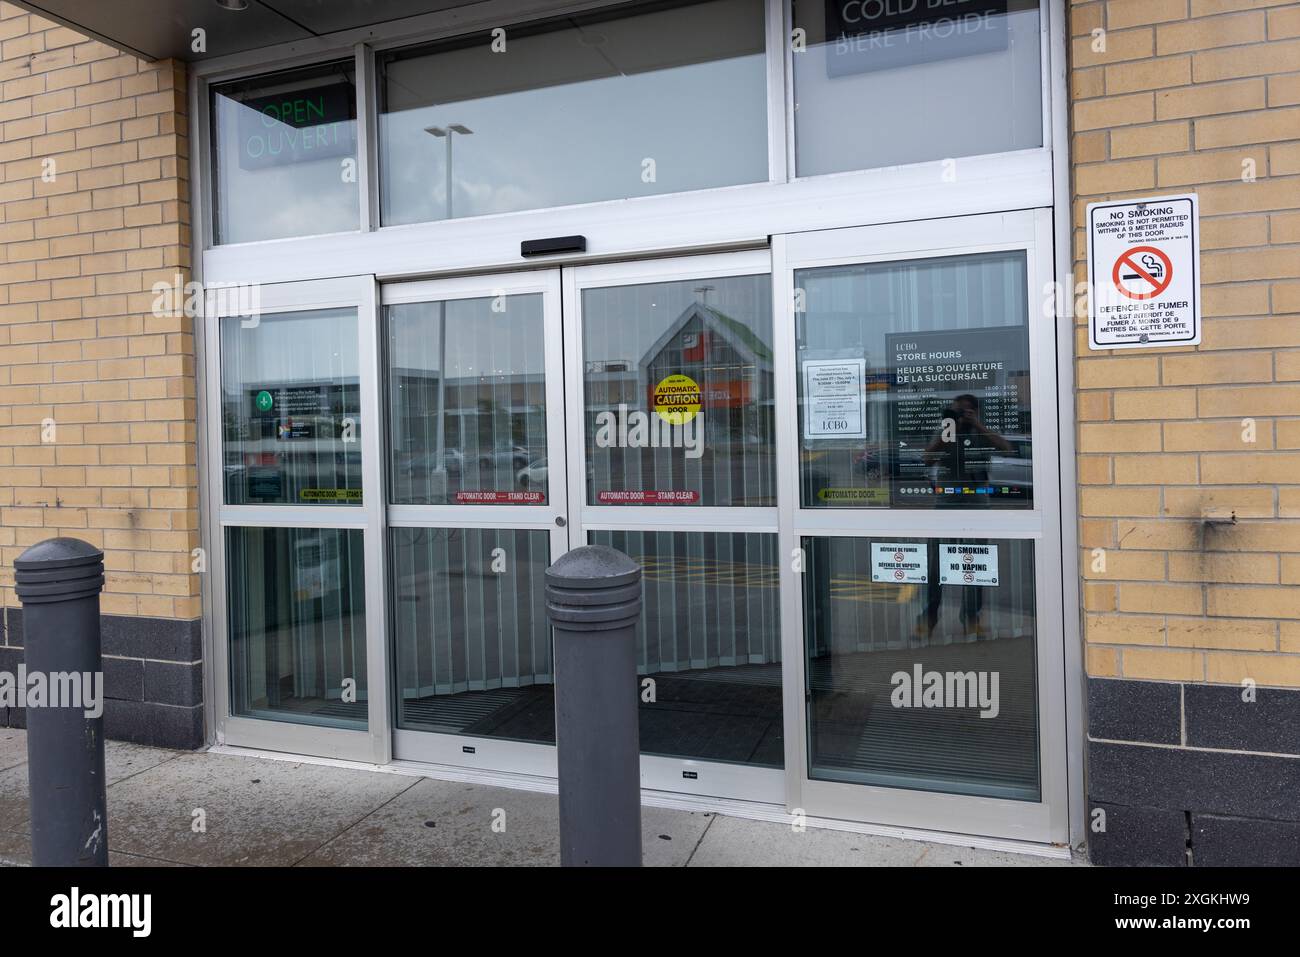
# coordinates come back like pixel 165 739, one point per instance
pixel 593 599
pixel 59 581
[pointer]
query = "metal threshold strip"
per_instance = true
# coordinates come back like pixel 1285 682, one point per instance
pixel 729 807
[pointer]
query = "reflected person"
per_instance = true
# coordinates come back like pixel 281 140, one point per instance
pixel 961 449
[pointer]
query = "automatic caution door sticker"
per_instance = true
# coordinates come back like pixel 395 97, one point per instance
pixel 677 399
pixel 1144 273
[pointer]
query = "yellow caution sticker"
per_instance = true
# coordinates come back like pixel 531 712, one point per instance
pixel 677 399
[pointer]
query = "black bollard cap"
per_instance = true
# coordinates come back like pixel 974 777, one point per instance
pixel 594 585
pixel 593 566
pixel 58 569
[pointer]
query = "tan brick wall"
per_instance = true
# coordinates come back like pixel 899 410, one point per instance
pixel 1186 96
pixel 94 199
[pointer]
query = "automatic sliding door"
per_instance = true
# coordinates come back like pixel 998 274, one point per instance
pixel 672 431
pixel 475 516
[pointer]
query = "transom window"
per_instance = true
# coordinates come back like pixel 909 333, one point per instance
pixel 633 101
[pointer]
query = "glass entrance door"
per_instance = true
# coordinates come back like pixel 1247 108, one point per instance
pixel 925 605
pixel 666 452
pixel 476 512
pixel 672 459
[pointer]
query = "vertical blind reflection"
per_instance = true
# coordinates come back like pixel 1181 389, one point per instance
pixel 862 633
pixel 713 336
pixel 709 639
pixel 297 625
pixel 291 408
pixel 936 340
pixel 467 401
pixel 469 624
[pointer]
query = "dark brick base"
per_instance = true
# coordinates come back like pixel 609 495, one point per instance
pixel 153 678
pixel 1192 775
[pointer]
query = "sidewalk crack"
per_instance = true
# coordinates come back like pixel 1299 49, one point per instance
pixel 708 827
pixel 369 814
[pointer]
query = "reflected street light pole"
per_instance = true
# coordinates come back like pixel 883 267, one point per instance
pixel 448 132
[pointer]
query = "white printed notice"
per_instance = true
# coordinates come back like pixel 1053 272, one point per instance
pixel 899 562
pixel 968 564
pixel 835 398
pixel 1143 273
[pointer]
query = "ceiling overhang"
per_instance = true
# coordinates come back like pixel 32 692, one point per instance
pixel 159 29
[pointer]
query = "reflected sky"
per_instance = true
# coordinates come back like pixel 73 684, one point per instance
pixel 571 115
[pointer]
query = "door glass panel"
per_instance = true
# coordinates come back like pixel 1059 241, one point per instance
pixel 283 147
pixel 467 401
pixel 678 388
pixel 291 408
pixel 913 382
pixel 298 625
pixel 709 642
pixel 921 666
pixel 473 647
pixel 598 106
pixel 886 82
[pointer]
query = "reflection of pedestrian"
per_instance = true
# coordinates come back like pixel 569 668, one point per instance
pixel 961 448
pixel 972 598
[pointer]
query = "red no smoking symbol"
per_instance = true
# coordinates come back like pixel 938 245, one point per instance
pixel 1142 272
pixel 899 574
pixel 898 556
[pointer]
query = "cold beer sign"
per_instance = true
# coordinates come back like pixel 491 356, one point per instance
pixel 1144 273
pixel 867 35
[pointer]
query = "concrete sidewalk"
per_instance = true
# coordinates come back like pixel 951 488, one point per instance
pixel 261 811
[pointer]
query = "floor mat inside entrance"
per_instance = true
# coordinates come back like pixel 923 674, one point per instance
pixel 719 714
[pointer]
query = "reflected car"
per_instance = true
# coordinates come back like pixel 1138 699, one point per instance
pixel 508 456
pixel 882 463
pixel 532 475
pixel 422 464
pixel 1014 468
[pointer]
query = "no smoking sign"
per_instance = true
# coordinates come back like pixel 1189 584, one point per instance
pixel 1144 273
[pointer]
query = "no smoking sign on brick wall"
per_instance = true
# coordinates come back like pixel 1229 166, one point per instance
pixel 1144 273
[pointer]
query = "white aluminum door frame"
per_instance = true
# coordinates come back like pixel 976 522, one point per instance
pixel 1031 231
pixel 373 744
pixel 660 773
pixel 464 750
